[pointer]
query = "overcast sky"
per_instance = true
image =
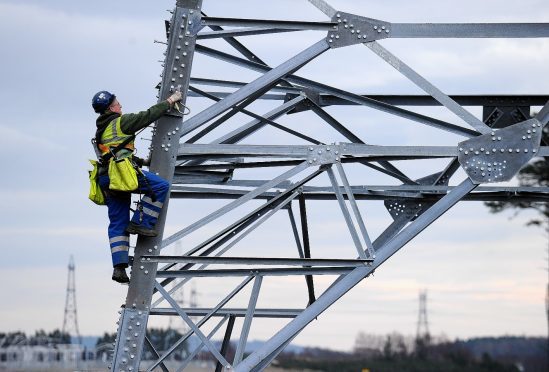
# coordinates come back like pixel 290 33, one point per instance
pixel 484 273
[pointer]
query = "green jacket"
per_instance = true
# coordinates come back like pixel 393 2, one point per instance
pixel 130 123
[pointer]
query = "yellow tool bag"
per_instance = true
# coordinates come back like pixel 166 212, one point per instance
pixel 122 174
pixel 96 194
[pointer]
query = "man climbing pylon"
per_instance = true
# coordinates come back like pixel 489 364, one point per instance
pixel 115 137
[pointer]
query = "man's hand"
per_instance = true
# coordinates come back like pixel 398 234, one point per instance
pixel 176 97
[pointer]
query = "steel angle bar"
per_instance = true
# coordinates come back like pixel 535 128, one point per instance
pixel 194 327
pixel 242 49
pixel 251 127
pixel 340 128
pixel 468 30
pixel 242 32
pixel 348 96
pixel 241 224
pixel 295 232
pixel 302 151
pixel 226 341
pixel 356 149
pixel 240 84
pixel 207 315
pixel 429 88
pixel 221 95
pixel 244 333
pixel 253 215
pixel 356 211
pixel 543 114
pixel 243 199
pixel 259 164
pixel 324 7
pixel 306 246
pixel 155 353
pixel 237 312
pixel 259 222
pixel 199 347
pixel 346 215
pixel 236 44
pixel 258 261
pixel 266 80
pixel 353 278
pixel 336 270
pixel 425 100
pixel 231 150
pixel 268 23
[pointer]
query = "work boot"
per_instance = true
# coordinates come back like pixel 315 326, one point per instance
pixel 119 275
pixel 134 228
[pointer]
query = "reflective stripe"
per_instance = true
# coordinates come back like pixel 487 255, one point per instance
pixel 120 248
pixel 157 204
pixel 112 136
pixel 122 238
pixel 150 212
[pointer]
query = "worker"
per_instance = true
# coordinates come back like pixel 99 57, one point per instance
pixel 114 128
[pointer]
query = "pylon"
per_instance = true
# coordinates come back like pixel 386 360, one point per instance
pixel 70 320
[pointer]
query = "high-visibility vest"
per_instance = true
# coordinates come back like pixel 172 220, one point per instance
pixel 113 136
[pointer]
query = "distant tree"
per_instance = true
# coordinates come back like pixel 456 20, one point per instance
pixel 107 338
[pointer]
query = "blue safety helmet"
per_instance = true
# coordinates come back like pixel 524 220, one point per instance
pixel 102 100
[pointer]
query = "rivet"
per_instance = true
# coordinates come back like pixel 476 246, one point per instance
pixel 141 267
pixel 375 27
pixel 482 149
pixel 499 138
pixel 461 149
pixel 383 27
pixel 523 137
pixel 518 150
pixel 533 131
pixel 525 150
pixel 337 36
pixel 466 152
pixel 379 31
pixel 146 272
pixel 510 150
pixel 346 26
pixel 502 150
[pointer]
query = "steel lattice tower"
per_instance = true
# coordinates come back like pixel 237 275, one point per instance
pixel 70 318
pixel 422 322
pixel 215 154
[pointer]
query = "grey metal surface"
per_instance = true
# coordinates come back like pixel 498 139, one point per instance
pixel 223 168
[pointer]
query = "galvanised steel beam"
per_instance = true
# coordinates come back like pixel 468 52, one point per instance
pixel 180 52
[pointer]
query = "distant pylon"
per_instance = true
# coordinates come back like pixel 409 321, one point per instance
pixel 422 323
pixel 70 320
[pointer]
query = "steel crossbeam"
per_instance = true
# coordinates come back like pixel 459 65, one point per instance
pixel 227 153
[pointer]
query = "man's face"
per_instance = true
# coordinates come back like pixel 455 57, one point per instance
pixel 115 107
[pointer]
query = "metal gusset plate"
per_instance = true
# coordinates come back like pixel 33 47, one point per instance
pixel 354 29
pixel 411 209
pixel 499 155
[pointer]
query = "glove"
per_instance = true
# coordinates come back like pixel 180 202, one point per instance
pixel 176 97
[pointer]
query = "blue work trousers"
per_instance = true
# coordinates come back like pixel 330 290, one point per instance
pixel 118 204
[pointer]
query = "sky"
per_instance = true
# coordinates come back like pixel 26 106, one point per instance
pixel 485 274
